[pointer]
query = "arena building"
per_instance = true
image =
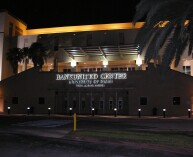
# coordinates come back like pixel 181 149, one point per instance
pixel 91 67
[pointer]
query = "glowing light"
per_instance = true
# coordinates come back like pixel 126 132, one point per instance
pixel 139 109
pixel 73 63
pixel 139 60
pixel 164 109
pixel 105 63
pixel 189 109
pixel 97 27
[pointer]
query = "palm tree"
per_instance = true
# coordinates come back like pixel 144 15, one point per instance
pixel 168 26
pixel 38 54
pixel 25 58
pixel 14 56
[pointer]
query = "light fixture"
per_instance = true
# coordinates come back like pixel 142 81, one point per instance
pixel 8 110
pixel 115 112
pixel 73 63
pixel 105 63
pixel 28 110
pixel 49 109
pixel 164 112
pixel 70 111
pixel 92 111
pixel 139 60
pixel 139 112
pixel 189 113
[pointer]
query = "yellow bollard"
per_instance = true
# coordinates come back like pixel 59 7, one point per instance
pixel 74 121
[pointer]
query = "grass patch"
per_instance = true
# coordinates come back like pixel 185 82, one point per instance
pixel 177 139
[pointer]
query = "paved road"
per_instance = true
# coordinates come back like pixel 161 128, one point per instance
pixel 28 146
pixel 37 139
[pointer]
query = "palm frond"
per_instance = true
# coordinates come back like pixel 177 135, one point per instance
pixel 150 52
pixel 171 37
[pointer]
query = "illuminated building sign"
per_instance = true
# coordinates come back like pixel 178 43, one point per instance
pixel 91 80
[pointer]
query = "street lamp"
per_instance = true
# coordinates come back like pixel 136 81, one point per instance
pixel 70 111
pixel 93 111
pixel 28 110
pixel 115 112
pixel 189 113
pixel 139 113
pixel 8 110
pixel 164 112
pixel 49 109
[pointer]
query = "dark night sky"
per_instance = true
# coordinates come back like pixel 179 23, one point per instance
pixel 54 13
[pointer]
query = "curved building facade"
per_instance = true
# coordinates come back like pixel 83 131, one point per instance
pixel 91 67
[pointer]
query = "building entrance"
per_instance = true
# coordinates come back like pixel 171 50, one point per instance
pixel 83 101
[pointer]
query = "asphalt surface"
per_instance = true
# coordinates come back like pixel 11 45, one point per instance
pixel 47 136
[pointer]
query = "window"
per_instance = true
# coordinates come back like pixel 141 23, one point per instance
pixel 101 105
pixel 66 70
pixel 143 100
pixel 131 69
pixel 123 69
pixel 99 69
pixel 84 70
pixel 41 100
pixel 120 103
pixel 187 70
pixel 92 69
pixel 114 69
pixel 14 100
pixel 110 103
pixel 176 100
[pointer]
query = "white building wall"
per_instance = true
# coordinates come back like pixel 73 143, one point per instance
pixel 26 40
pixel 186 60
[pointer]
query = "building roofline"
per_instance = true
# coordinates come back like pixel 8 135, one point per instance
pixel 8 12
pixel 84 28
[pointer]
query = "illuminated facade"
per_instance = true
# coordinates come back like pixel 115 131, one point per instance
pixel 91 66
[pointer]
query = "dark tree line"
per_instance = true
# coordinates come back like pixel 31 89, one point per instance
pixel 36 52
